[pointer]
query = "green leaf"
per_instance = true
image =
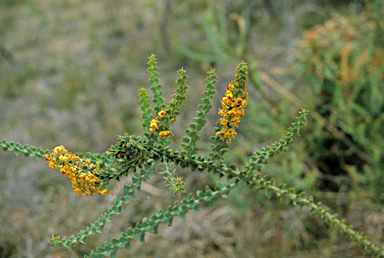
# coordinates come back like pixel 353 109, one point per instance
pixel 212 203
pixel 142 239
pixel 100 249
pixel 232 166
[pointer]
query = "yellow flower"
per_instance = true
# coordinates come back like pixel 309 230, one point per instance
pixel 230 133
pixel 59 149
pixel 225 103
pixel 219 133
pixel 234 121
pixel 164 133
pixel 162 113
pixel 153 124
pixel 232 112
pixel 229 94
pixel 224 122
pixel 63 158
pixel 230 87
pixel 238 101
pixel 62 171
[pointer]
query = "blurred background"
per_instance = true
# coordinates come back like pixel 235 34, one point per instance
pixel 70 74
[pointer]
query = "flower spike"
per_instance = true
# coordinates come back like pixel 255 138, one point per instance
pixel 233 104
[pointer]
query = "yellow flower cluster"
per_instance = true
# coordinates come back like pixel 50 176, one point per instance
pixel 154 125
pixel 233 104
pixel 71 166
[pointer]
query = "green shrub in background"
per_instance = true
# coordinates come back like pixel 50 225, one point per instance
pixel 232 31
pixel 341 67
pixel 92 173
pixel 337 71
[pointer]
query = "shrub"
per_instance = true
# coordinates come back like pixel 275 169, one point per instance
pixel 92 173
pixel 341 65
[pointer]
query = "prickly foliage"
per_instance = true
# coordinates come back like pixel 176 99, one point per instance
pixel 140 156
pixel 194 129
